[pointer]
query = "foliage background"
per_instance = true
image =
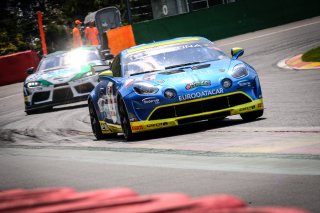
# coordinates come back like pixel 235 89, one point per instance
pixel 19 27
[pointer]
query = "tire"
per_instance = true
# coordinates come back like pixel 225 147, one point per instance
pixel 95 125
pixel 251 116
pixel 31 112
pixel 125 123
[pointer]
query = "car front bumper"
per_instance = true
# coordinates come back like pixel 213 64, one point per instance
pixel 141 126
pixel 53 95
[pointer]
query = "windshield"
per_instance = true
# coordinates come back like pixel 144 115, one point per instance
pixel 73 58
pixel 170 56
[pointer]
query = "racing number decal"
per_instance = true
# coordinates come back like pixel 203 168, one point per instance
pixel 108 104
pixel 111 100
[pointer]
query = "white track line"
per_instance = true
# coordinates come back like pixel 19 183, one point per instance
pixel 268 34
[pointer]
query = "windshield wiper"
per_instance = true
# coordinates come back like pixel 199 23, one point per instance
pixel 181 65
pixel 138 73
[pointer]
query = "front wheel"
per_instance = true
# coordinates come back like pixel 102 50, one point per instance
pixel 96 128
pixel 250 116
pixel 125 123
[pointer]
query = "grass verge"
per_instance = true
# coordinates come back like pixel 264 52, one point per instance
pixel 312 55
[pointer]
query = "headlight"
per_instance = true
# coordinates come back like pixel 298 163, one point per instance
pixel 33 84
pixel 145 88
pixel 239 71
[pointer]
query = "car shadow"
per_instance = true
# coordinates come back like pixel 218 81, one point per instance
pixel 190 128
pixel 61 108
pixel 58 108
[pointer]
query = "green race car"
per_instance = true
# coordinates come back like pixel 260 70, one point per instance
pixel 62 77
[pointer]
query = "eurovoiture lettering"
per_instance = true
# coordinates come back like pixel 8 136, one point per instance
pixel 202 94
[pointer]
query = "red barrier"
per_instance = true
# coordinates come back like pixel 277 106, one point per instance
pixel 13 67
pixel 124 200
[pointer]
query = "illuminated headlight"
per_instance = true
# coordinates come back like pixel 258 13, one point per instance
pixel 145 88
pixel 226 83
pixel 33 84
pixel 239 71
pixel 170 93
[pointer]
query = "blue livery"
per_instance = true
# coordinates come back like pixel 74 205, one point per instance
pixel 170 83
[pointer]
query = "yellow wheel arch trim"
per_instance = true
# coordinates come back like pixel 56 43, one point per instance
pixel 108 128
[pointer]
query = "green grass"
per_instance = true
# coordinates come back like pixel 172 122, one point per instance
pixel 312 55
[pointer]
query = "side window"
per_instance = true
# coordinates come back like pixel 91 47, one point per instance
pixel 116 67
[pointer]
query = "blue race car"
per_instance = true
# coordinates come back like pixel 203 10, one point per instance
pixel 170 83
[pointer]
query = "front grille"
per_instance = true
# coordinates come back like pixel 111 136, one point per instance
pixel 61 85
pixel 84 88
pixel 191 108
pixel 62 94
pixel 40 96
pixel 204 117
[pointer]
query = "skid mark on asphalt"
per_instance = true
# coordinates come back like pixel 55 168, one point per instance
pixel 168 152
pixel 249 140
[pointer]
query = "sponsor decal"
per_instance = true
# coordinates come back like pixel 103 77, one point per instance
pixel 202 94
pixel 160 81
pixel 135 128
pixel 157 125
pixel 150 100
pixel 222 70
pixel 108 104
pixel 244 83
pixel 198 84
pixel 247 108
pixel 104 127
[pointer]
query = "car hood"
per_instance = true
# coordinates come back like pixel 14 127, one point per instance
pixel 60 75
pixel 189 77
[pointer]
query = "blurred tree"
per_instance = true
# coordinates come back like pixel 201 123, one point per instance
pixel 19 26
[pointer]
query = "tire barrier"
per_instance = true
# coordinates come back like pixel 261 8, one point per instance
pixel 13 67
pixel 123 200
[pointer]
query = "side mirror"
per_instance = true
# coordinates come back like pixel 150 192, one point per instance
pixel 236 52
pixel 100 68
pixel 30 70
pixel 105 73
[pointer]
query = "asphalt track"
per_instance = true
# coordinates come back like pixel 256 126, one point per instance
pixel 272 161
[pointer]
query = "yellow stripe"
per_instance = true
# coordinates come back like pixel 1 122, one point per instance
pixel 141 126
pixel 161 44
pixel 196 100
pixel 312 65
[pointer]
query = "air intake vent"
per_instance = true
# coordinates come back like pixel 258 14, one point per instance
pixel 191 108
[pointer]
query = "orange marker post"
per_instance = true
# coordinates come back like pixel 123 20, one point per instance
pixel 43 39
